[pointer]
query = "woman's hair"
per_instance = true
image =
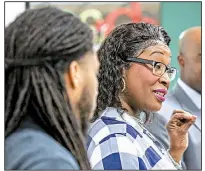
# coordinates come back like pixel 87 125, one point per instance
pixel 39 47
pixel 127 40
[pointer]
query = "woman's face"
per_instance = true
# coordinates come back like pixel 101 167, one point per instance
pixel 144 90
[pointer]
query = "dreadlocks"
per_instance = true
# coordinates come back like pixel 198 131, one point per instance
pixel 39 46
pixel 127 40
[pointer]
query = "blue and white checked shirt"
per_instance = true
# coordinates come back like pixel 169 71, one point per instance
pixel 117 142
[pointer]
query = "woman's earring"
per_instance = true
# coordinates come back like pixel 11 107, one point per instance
pixel 124 85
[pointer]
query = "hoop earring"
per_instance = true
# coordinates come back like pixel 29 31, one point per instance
pixel 124 85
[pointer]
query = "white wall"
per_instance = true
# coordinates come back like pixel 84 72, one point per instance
pixel 12 10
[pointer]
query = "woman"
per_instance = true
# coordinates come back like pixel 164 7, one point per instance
pixel 133 80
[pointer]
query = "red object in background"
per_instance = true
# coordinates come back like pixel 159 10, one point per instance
pixel 134 13
pixel 99 24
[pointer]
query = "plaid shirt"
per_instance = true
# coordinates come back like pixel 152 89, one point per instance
pixel 117 142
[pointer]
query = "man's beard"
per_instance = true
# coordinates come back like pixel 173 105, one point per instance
pixel 85 107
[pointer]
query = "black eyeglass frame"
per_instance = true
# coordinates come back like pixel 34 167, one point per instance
pixel 153 63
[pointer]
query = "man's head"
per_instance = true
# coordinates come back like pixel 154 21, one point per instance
pixel 82 87
pixel 190 57
pixel 50 75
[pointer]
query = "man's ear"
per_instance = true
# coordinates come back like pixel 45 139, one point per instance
pixel 74 75
pixel 181 60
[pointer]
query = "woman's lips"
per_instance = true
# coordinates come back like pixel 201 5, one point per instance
pixel 159 97
pixel 159 94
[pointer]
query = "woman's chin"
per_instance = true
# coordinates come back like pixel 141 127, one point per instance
pixel 155 108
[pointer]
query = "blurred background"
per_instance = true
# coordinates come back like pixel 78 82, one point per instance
pixel 102 17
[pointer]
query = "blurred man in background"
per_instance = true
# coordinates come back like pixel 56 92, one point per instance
pixel 186 96
pixel 50 90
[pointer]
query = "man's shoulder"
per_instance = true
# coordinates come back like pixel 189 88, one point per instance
pixel 31 148
pixel 171 103
pixel 171 97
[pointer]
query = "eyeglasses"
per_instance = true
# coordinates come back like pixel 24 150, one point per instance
pixel 158 68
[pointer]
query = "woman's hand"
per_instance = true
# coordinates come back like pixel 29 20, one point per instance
pixel 177 128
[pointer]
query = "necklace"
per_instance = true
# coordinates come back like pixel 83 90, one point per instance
pixel 145 131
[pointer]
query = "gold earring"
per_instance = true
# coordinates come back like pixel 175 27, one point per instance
pixel 124 85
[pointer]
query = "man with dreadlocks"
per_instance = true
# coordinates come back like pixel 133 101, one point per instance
pixel 50 90
pixel 133 79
